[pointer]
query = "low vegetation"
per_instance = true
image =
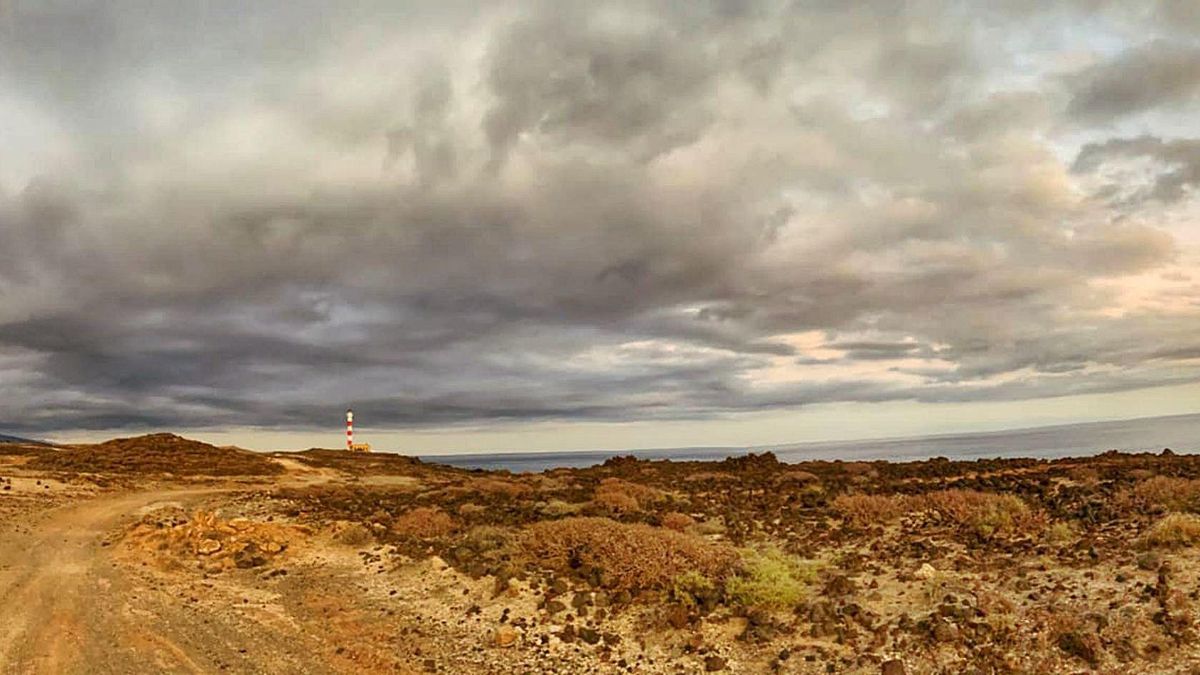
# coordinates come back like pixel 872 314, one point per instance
pixel 424 523
pixel 1175 530
pixel 770 579
pixel 624 556
pixel 158 454
pixel 983 514
pixel 622 496
pixel 1165 494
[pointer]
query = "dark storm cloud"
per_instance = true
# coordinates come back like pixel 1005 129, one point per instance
pixel 548 211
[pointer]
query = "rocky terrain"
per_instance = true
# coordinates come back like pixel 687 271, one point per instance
pixel 160 554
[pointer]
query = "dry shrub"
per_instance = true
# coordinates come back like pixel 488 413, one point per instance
pixel 1161 492
pixel 468 509
pixel 1173 531
pixel 499 486
pixel 424 523
pixel 701 476
pixel 797 477
pixel 351 534
pixel 679 522
pixel 984 513
pixel 1084 475
pixel 556 508
pixel 864 510
pixel 628 556
pixel 1060 533
pixel 615 500
pixel 623 496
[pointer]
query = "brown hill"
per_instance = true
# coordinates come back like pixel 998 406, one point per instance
pixel 158 453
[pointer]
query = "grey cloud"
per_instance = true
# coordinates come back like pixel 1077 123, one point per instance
pixel 602 213
pixel 1153 75
pixel 1178 163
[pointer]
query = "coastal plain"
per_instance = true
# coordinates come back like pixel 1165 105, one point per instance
pixel 163 554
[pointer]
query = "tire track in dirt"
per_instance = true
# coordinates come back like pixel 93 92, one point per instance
pixel 59 607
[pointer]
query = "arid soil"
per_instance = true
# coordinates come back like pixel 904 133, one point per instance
pixel 159 554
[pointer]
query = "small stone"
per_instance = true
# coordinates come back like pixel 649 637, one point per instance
pixel 1149 561
pixel 713 663
pixel 505 637
pixel 926 572
pixel 208 546
pixel 892 667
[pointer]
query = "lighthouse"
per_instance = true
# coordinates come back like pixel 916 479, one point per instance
pixel 350 444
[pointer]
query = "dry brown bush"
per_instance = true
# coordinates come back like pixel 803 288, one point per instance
pixel 679 522
pixel 1084 475
pixel 623 496
pixel 797 477
pixel 1161 492
pixel 351 534
pixel 864 510
pixel 984 513
pixel 701 476
pixel 424 523
pixel 629 556
pixel 498 486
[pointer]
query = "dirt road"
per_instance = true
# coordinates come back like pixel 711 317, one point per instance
pixel 68 607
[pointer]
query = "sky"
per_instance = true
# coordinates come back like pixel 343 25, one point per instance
pixel 554 225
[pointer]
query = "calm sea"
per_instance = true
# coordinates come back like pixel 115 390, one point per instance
pixel 1181 433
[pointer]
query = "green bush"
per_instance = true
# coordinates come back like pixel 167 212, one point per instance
pixel 771 579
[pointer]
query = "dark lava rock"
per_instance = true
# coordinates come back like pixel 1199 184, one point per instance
pixel 892 667
pixel 840 585
pixel 1082 645
pixel 713 663
pixel 589 635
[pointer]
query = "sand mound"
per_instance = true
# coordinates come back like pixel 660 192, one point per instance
pixel 158 453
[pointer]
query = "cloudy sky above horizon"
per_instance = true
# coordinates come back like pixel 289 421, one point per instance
pixel 532 224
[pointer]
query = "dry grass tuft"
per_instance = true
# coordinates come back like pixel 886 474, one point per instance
pixel 1173 531
pixel 424 523
pixel 627 556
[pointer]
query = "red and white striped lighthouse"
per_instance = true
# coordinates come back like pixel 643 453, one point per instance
pixel 349 429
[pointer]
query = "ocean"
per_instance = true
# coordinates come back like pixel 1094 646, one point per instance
pixel 1180 433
